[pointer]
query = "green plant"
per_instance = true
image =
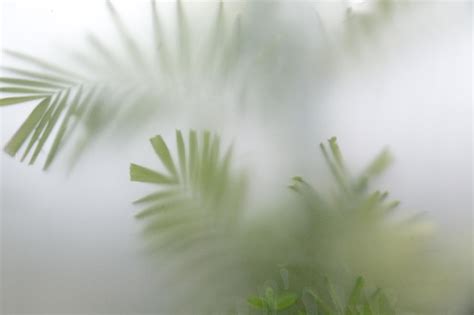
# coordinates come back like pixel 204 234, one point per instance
pixel 199 197
pixel 200 217
pixel 325 302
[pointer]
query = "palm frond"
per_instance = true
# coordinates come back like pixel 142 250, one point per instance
pixel 198 191
pixel 148 83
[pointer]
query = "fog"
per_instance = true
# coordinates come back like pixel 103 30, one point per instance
pixel 70 243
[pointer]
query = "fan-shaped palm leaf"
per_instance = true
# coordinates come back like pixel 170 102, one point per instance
pixel 198 193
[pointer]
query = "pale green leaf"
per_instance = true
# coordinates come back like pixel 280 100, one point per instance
pixel 26 128
pixel 20 99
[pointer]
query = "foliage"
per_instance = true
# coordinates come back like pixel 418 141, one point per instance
pixel 197 212
pixel 358 302
pixel 197 218
pixel 115 89
pixel 199 197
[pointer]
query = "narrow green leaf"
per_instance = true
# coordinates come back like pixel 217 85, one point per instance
pixel 233 50
pixel 160 43
pixel 62 129
pixel 175 204
pixel 215 38
pixel 40 63
pixel 30 83
pixel 333 295
pixel 42 124
pixel 157 196
pixel 285 301
pixel 21 99
pixel 26 128
pixel 379 164
pixel 49 127
pixel 163 153
pixel 20 90
pixel 145 175
pixel 127 40
pixel 204 161
pixel 336 152
pixel 193 157
pixel 175 220
pixel 40 76
pixel 181 155
pixel 367 309
pixel 183 36
pixel 322 306
pixel 355 296
pixel 334 170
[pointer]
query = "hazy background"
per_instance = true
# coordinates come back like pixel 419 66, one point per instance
pixel 70 244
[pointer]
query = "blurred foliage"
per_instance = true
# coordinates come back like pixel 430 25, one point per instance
pixel 198 199
pixel 348 232
pixel 122 87
pixel 199 220
pixel 328 302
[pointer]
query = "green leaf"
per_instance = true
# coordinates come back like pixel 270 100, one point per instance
pixel 21 99
pixel 336 172
pixel 336 152
pixel 322 306
pixel 164 154
pixel 18 90
pixel 181 155
pixel 142 174
pixel 379 164
pixel 157 196
pixel 173 204
pixel 160 44
pixel 41 126
pixel 257 302
pixel 41 63
pixel 183 36
pixel 334 297
pixel 62 129
pixel 199 210
pixel 30 83
pixel 127 40
pixel 26 128
pixel 356 294
pixel 193 157
pixel 285 301
pixel 49 126
pixel 40 76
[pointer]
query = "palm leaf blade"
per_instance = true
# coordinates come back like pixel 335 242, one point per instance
pixel 20 99
pixel 49 127
pixel 26 128
pixel 62 130
pixel 163 153
pixel 145 175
